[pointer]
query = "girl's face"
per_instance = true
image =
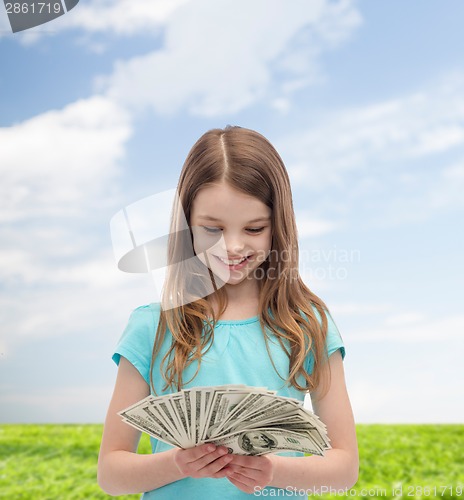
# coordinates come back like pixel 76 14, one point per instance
pixel 232 232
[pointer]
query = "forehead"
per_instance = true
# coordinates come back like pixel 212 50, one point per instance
pixel 224 203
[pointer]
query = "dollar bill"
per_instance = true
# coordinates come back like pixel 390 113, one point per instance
pixel 267 440
pixel 247 420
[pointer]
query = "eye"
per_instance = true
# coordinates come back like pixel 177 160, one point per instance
pixel 255 230
pixel 210 229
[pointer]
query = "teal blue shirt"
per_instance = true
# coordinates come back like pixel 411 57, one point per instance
pixel 238 355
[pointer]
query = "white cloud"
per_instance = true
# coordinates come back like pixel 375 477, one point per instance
pixel 59 172
pixel 67 304
pixel 5 27
pixel 417 196
pixel 411 327
pixel 455 172
pixel 281 104
pixel 215 58
pixel 59 405
pixel 378 136
pixel 309 226
pixel 3 350
pixel 405 319
pixel 36 267
pixel 392 402
pixel 353 308
pixel 53 163
pixel 122 17
pixel 218 58
pixel 447 190
pixel 119 17
pixel 318 280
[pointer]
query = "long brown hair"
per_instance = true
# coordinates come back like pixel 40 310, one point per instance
pixel 247 162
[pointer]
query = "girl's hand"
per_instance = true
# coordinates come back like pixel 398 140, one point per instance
pixel 249 473
pixel 206 460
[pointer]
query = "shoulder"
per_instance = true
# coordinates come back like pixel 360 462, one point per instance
pixel 152 308
pixel 143 321
pixel 136 341
pixel 334 339
pixel 146 313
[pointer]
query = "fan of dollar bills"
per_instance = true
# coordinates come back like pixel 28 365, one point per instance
pixel 247 420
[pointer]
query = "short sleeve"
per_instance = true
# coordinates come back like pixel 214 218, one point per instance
pixel 136 342
pixel 333 341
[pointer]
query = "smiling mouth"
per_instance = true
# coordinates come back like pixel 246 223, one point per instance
pixel 233 263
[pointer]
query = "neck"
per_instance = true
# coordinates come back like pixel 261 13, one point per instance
pixel 238 295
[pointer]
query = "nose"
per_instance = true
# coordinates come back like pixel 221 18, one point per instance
pixel 234 244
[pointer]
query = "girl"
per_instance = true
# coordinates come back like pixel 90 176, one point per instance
pixel 260 326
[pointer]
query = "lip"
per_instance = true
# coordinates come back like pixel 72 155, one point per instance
pixel 234 267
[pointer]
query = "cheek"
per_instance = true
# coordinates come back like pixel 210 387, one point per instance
pixel 204 242
pixel 264 245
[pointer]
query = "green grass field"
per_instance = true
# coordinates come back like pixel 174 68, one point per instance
pixel 59 462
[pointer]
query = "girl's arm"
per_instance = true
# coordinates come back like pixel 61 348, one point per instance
pixel 122 471
pixel 337 469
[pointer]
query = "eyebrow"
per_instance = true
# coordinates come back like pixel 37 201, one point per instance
pixel 209 217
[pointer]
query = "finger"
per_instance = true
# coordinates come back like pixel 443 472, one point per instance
pixel 244 476
pixel 222 472
pixel 241 486
pixel 199 451
pixel 215 467
pixel 211 457
pixel 253 474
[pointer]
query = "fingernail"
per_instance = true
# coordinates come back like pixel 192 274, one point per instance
pixel 211 447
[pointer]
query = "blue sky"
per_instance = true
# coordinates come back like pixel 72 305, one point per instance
pixel 365 102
